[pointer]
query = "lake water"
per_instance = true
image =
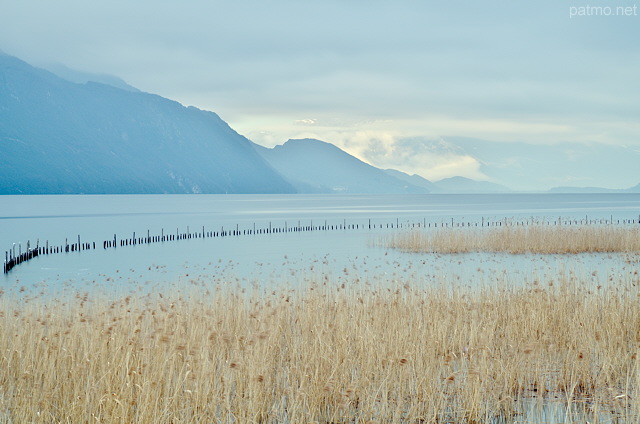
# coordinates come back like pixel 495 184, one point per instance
pixel 284 258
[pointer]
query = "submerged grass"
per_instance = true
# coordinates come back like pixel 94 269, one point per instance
pixel 539 239
pixel 351 353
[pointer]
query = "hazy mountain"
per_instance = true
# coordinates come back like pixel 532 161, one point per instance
pixel 83 133
pixel 566 189
pixel 450 185
pixel 314 166
pixel 635 189
pixel 414 179
pixel 524 166
pixel 80 77
pixel 466 185
pixel 61 137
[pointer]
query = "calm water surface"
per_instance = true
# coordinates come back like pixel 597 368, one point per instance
pixel 283 258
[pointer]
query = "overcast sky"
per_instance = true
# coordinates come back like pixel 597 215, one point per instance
pixel 364 75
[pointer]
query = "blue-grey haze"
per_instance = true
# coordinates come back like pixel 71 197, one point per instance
pixel 369 75
pixel 77 137
pixel 59 137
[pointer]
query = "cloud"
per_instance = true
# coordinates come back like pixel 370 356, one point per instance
pixel 431 159
pixel 306 121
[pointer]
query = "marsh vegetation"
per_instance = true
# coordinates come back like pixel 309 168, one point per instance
pixel 520 239
pixel 327 349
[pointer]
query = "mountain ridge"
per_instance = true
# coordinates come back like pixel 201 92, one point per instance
pixel 570 189
pixel 316 166
pixel 80 77
pixel 96 138
pixel 90 133
pixel 467 185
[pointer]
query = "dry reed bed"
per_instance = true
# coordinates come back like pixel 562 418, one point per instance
pixel 539 239
pixel 319 353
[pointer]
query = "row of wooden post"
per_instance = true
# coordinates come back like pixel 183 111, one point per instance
pixel 13 259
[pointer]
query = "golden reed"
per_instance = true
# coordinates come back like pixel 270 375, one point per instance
pixel 539 239
pixel 322 353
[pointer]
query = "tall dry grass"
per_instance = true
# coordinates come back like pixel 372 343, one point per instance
pixel 539 239
pixel 319 353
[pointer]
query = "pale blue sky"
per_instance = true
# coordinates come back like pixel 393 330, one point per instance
pixel 361 73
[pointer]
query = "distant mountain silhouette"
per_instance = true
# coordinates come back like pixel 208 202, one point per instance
pixel 61 137
pixel 414 179
pixel 84 77
pixel 451 185
pixel 567 189
pixel 466 185
pixel 76 133
pixel 314 166
pixel 526 166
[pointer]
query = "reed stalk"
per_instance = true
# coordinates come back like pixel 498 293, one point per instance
pixel 539 239
pixel 351 353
